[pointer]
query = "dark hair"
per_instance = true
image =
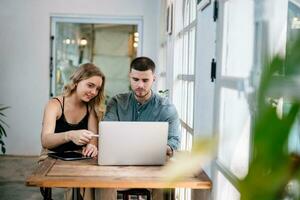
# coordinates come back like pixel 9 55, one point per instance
pixel 142 64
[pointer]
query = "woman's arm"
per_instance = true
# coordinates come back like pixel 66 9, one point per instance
pixel 51 140
pixel 91 148
pixel 93 126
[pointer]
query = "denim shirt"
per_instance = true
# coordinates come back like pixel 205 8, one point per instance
pixel 124 107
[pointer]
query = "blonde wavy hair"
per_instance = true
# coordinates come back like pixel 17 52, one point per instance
pixel 86 71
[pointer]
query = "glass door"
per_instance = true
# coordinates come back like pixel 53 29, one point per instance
pixel 110 44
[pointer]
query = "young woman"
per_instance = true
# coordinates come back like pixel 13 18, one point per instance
pixel 71 120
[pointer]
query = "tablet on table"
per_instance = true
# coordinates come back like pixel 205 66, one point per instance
pixel 69 155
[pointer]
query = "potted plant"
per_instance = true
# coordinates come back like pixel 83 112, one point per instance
pixel 2 129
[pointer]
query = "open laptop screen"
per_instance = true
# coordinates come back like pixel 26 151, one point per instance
pixel 132 143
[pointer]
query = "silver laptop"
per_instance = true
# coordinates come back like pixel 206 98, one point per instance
pixel 132 143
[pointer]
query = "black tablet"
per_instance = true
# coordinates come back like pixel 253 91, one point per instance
pixel 70 155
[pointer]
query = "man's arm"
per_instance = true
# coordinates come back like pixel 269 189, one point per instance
pixel 174 135
pixel 111 113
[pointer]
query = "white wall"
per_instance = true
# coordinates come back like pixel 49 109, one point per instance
pixel 24 55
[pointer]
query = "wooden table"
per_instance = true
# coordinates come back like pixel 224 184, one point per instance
pixel 87 174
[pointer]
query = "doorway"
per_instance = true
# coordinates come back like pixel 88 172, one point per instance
pixel 109 43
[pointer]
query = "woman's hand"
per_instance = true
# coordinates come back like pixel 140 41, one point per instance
pixel 90 150
pixel 79 137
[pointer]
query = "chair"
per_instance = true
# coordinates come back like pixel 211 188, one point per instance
pixel 127 194
pixel 46 193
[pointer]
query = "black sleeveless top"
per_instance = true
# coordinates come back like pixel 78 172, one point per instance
pixel 62 125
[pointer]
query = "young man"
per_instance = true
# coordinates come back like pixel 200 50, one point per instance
pixel 142 104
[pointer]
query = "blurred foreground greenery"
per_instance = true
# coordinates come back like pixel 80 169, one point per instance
pixel 185 164
pixel 274 171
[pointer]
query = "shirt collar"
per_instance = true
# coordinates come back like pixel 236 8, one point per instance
pixel 146 102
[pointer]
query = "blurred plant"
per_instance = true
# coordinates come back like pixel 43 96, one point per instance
pixel 186 164
pixel 274 172
pixel 2 130
pixel 164 93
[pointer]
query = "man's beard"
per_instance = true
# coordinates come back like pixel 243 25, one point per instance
pixel 141 96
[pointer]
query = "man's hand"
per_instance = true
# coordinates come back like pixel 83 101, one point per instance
pixel 169 151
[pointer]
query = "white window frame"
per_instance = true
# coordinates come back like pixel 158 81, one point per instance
pixel 184 79
pixel 243 86
pixel 184 75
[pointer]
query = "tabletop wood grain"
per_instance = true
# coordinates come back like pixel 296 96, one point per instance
pixel 86 173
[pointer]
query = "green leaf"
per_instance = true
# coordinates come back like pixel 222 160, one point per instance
pixel 3 149
pixel 272 166
pixel 4 108
pixel 3 122
pixel 2 131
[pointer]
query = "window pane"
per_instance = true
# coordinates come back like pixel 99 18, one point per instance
pixel 186 14
pixel 238 38
pixel 177 96
pixel 182 194
pixel 193 9
pixel 191 67
pixel 234 132
pixel 178 56
pixel 177 70
pixel 185 53
pixel 225 190
pixel 189 141
pixel 294 138
pixel 186 139
pixel 162 81
pixel 293 30
pixel 184 98
pixel 190 105
pixel 183 138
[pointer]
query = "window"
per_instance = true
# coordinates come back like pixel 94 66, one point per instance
pixel 184 78
pixel 233 119
pixel 184 73
pixel 225 190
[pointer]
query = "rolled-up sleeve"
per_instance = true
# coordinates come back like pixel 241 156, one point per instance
pixel 174 135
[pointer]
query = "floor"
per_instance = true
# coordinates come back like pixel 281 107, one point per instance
pixel 13 171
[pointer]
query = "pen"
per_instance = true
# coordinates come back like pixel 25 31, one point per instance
pixel 95 135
